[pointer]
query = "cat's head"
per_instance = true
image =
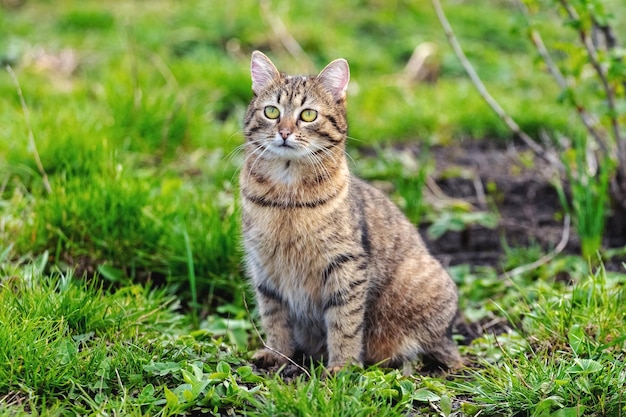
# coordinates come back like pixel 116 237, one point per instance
pixel 291 117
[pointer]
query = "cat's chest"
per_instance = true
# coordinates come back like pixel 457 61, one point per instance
pixel 292 258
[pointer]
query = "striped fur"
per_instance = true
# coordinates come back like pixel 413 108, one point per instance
pixel 339 273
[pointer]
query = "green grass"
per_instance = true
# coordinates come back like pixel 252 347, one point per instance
pixel 568 355
pixel 69 346
pixel 121 289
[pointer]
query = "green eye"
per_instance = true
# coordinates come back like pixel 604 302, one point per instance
pixel 308 115
pixel 271 112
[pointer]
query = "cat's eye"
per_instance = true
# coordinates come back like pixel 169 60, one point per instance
pixel 308 115
pixel 271 112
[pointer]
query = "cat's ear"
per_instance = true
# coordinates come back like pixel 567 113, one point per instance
pixel 263 72
pixel 335 77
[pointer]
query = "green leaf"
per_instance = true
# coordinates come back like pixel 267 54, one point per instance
pixel 223 367
pixel 188 377
pixel 545 406
pixel 67 352
pixel 406 388
pixel 246 375
pixel 111 273
pixel 458 221
pixel 388 393
pixel 445 404
pixel 162 368
pixel 425 395
pixel 584 384
pixel 147 393
pixel 577 338
pixel 584 366
pixel 170 398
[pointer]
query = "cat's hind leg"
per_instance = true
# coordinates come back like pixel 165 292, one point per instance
pixel 442 356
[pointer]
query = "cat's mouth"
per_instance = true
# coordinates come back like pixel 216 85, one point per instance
pixel 280 142
pixel 286 148
pixel 287 151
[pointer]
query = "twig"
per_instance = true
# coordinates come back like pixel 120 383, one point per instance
pixel 610 40
pixel 595 63
pixel 265 345
pixel 480 191
pixel 31 136
pixel 537 40
pixel 618 185
pixel 289 42
pixel 482 90
pixel 440 199
pixel 546 258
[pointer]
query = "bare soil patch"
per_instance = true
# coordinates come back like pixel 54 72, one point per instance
pixel 511 180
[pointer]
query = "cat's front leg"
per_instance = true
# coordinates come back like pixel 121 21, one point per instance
pixel 275 322
pixel 344 312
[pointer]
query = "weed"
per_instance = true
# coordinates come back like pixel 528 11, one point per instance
pixel 350 393
pixel 589 185
pixel 574 363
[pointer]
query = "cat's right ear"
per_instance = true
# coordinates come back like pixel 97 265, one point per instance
pixel 262 71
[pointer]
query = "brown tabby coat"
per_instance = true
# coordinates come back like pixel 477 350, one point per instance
pixel 340 274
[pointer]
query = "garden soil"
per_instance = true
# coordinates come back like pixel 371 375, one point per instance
pixel 520 187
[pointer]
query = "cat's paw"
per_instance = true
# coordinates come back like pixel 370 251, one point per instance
pixel 266 358
pixel 334 370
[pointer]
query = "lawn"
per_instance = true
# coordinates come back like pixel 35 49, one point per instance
pixel 121 287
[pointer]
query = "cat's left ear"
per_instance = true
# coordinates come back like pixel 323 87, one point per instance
pixel 262 71
pixel 335 77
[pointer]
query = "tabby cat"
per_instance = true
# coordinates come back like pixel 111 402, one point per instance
pixel 339 273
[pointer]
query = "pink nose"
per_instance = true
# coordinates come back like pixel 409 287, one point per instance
pixel 285 133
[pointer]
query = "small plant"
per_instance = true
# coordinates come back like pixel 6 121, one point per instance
pixel 589 185
pixel 590 73
pixel 354 392
pixel 574 360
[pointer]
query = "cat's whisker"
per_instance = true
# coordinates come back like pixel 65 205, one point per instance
pixel 317 162
pixel 235 152
pixel 354 139
pixel 350 158
pixel 258 157
pixel 239 132
pixel 318 148
pixel 240 163
pixel 318 167
pixel 238 150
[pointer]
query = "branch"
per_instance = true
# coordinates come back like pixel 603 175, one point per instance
pixel 546 258
pixel 610 39
pixel 482 90
pixel 592 52
pixel 31 136
pixel 537 40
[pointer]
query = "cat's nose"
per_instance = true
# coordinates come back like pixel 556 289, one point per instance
pixel 284 133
